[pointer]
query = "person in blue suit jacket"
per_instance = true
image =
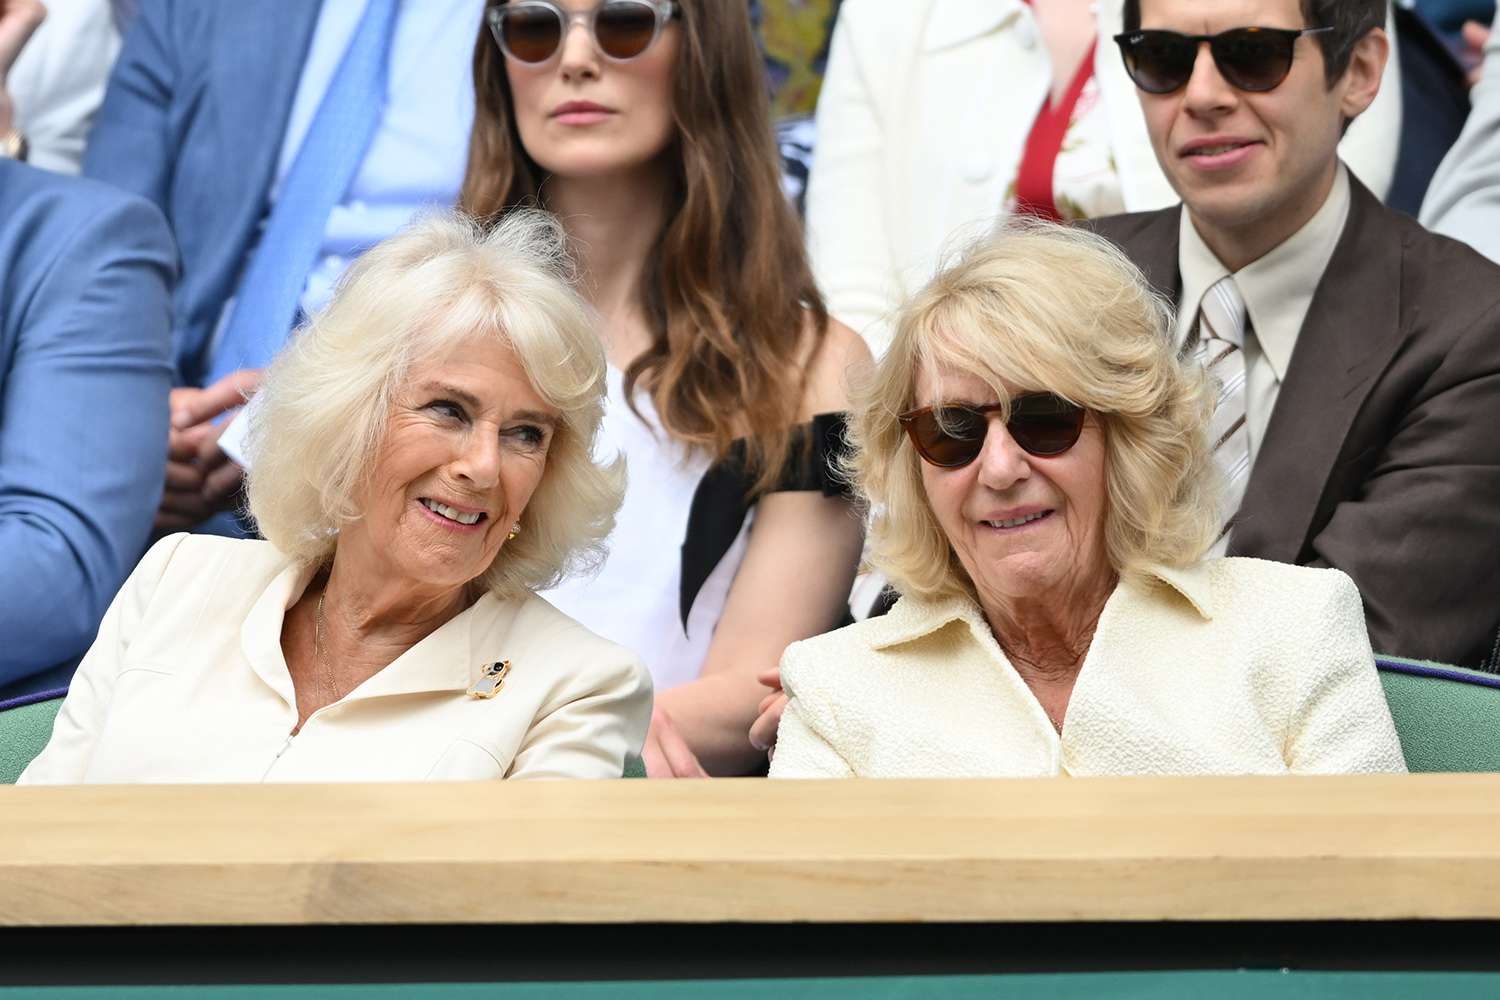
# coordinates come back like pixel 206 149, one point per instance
pixel 85 346
pixel 212 111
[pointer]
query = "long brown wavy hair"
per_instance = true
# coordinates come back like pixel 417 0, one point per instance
pixel 727 288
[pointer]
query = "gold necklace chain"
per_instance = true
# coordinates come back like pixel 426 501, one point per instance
pixel 329 686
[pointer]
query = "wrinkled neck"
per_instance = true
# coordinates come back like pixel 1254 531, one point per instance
pixel 1046 636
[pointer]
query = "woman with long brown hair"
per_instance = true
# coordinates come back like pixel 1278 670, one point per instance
pixel 643 124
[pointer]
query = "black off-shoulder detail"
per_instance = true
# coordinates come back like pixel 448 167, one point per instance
pixel 721 503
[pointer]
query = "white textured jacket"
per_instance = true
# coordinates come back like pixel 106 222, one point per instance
pixel 1233 666
pixel 187 682
pixel 922 122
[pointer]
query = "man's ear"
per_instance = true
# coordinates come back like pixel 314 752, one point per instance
pixel 1361 80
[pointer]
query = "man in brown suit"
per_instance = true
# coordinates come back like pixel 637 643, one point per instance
pixel 1358 423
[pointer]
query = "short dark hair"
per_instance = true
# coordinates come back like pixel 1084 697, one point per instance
pixel 1350 20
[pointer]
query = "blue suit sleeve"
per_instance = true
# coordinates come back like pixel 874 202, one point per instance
pixel 130 144
pixel 83 431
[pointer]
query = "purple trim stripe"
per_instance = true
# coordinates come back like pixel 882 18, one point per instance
pixel 21 701
pixel 1437 671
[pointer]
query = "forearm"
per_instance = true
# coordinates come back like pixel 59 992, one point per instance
pixel 53 591
pixel 713 715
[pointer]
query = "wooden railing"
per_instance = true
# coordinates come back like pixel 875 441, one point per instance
pixel 1377 847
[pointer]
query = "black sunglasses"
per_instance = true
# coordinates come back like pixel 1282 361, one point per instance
pixel 532 31
pixel 1253 59
pixel 952 435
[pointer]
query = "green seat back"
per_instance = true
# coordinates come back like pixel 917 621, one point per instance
pixel 25 727
pixel 1448 718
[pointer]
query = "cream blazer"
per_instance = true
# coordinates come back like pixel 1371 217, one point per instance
pixel 1234 666
pixel 921 124
pixel 186 682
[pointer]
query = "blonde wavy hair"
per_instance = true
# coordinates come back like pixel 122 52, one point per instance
pixel 1042 307
pixel 320 416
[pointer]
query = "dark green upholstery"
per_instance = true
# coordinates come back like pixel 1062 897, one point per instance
pixel 25 727
pixel 1448 718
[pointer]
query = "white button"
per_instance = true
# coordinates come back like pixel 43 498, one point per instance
pixel 976 167
pixel 357 206
pixel 333 262
pixel 1026 35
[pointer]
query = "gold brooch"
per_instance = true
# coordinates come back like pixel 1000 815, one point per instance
pixel 491 680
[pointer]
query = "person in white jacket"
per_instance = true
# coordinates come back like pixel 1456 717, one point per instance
pixel 1463 200
pixel 938 118
pixel 57 83
pixel 1038 462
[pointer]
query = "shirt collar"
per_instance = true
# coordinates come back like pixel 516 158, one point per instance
pixel 913 618
pixel 445 660
pixel 1278 288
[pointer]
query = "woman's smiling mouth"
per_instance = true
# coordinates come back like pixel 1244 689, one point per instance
pixel 452 514
pixel 1011 523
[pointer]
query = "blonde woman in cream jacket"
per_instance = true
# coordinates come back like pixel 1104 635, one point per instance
pixel 421 464
pixel 1049 535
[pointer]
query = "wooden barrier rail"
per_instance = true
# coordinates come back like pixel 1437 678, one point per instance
pixel 1193 849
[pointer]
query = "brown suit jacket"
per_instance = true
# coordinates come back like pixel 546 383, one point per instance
pixel 1382 457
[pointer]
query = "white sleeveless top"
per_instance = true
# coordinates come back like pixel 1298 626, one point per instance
pixel 637 598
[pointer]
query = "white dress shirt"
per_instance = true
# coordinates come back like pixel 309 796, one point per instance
pixel 58 80
pixel 1230 666
pixel 417 158
pixel 187 683
pixel 1278 289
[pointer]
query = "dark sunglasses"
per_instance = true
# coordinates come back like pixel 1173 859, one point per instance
pixel 1253 59
pixel 532 31
pixel 952 435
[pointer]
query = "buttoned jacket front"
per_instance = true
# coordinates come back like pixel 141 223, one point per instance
pixel 1233 666
pixel 187 682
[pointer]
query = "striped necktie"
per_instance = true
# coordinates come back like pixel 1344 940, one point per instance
pixel 1221 338
pixel 320 175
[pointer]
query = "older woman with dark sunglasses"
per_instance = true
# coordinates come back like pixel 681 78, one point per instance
pixel 1035 457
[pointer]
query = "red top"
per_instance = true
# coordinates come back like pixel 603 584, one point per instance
pixel 1034 180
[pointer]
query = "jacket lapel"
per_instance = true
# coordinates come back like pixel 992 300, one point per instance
pixel 1351 331
pixel 260 46
pixel 1153 248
